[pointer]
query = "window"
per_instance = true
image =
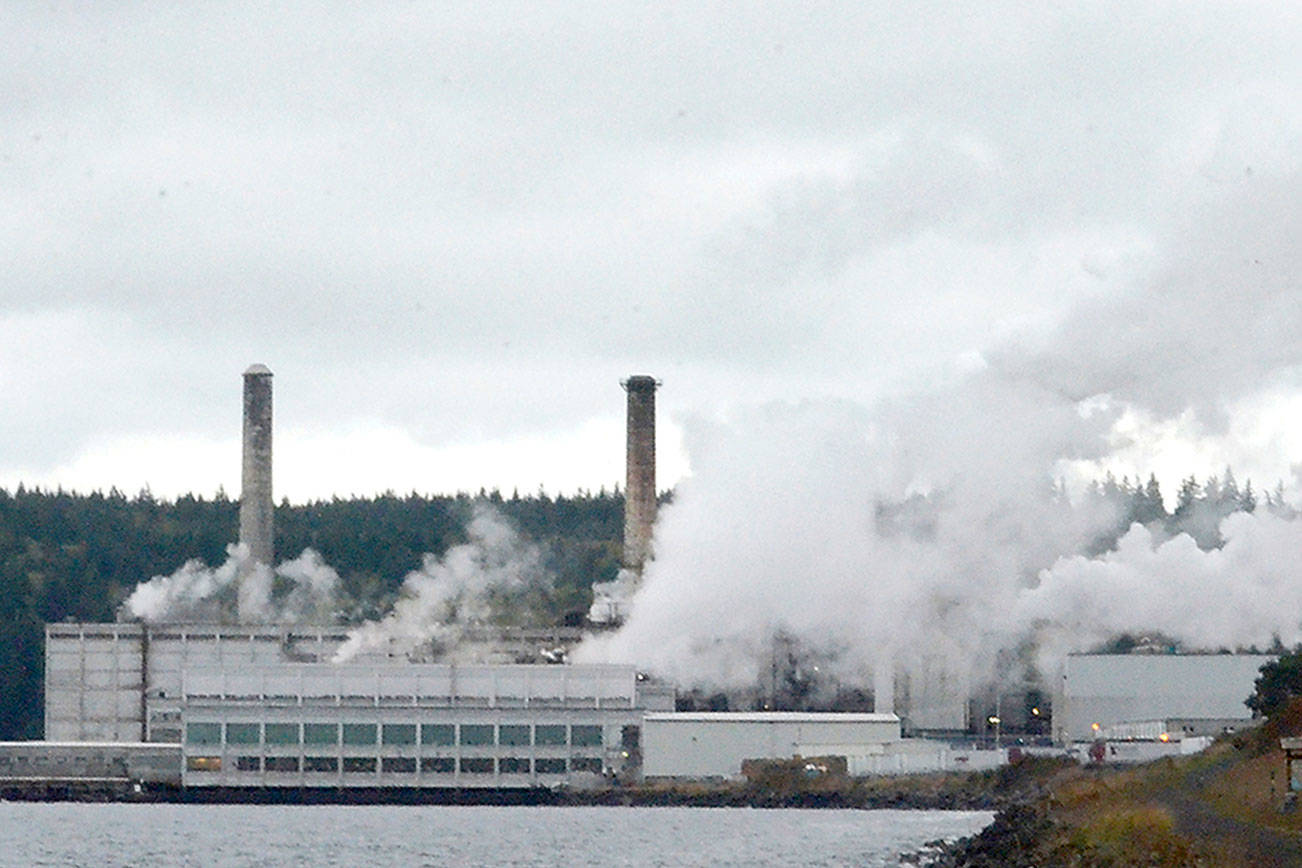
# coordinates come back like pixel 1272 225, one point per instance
pixel 243 733
pixel 281 763
pixel 549 734
pixel 477 765
pixel 281 733
pixel 443 765
pixel 585 736
pixel 248 763
pixel 513 765
pixel 399 765
pixel 359 764
pixel 203 733
pixel 399 733
pixel 203 763
pixel 320 764
pixel 359 733
pixel 438 733
pixel 513 735
pixel 476 733
pixel 549 766
pixel 320 733
pixel 586 764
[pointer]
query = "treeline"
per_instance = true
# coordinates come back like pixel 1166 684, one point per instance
pixel 1199 507
pixel 68 556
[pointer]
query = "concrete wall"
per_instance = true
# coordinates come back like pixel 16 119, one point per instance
pixel 94 683
pixel 699 745
pixel 930 697
pixel 1108 689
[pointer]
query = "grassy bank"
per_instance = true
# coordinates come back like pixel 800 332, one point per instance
pixel 1224 807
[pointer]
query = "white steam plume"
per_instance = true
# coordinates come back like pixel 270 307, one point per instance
pixel 925 525
pixel 1246 593
pixel 449 593
pixel 240 591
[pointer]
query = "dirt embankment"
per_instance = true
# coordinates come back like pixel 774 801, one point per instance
pixel 1224 808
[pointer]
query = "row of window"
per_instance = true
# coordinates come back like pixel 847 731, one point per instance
pixel 483 765
pixel 362 734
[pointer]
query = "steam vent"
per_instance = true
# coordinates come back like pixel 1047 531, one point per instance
pixel 640 487
pixel 257 529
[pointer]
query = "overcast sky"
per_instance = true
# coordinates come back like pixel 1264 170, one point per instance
pixel 450 229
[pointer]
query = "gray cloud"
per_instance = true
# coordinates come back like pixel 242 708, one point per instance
pixel 497 211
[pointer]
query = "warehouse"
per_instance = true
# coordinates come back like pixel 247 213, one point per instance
pixel 714 744
pixel 1203 692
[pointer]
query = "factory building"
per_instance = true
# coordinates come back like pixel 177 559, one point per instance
pixel 1197 694
pixel 122 682
pixel 714 744
pixel 412 725
pixel 261 706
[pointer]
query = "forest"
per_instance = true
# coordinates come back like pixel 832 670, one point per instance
pixel 68 556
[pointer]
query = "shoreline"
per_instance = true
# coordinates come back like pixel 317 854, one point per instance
pixel 945 791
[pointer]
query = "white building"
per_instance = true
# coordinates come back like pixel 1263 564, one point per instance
pixel 1197 694
pixel 122 682
pixel 411 725
pixel 714 744
pixel 262 707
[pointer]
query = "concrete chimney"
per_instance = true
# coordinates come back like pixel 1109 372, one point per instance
pixel 640 486
pixel 257 522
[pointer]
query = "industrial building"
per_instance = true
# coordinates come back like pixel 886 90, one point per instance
pixel 412 725
pixel 123 682
pixel 1194 694
pixel 258 706
pixel 715 744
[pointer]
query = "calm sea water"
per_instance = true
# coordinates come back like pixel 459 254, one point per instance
pixel 114 834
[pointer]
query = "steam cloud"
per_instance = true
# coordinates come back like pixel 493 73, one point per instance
pixel 239 591
pixel 447 594
pixel 927 527
pixel 1248 592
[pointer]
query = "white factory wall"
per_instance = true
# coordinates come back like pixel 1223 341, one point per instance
pixel 409 725
pixel 94 683
pixel 703 745
pixel 921 756
pixel 1109 689
pixel 931 697
pixel 95 674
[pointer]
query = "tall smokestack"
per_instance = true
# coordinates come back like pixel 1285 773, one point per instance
pixel 640 487
pixel 257 527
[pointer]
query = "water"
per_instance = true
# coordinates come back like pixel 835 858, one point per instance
pixel 120 835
